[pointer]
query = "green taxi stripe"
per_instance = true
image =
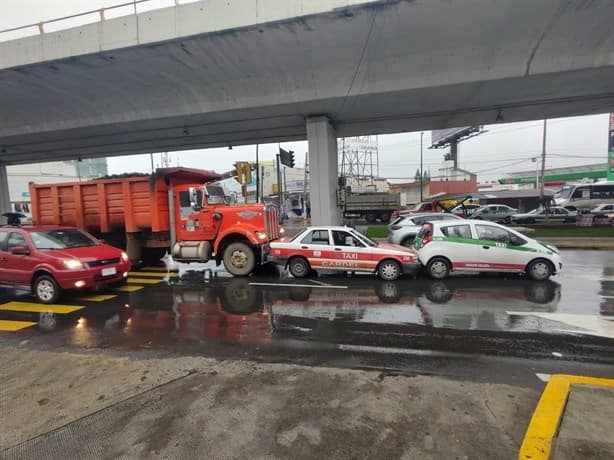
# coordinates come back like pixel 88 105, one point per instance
pixel 452 239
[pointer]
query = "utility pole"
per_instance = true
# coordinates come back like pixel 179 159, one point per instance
pixel 279 189
pixel 257 177
pixel 421 171
pixel 541 182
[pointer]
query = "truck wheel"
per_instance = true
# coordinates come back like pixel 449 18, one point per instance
pixel 384 217
pixel 299 267
pixel 371 217
pixel 239 259
pixel 46 289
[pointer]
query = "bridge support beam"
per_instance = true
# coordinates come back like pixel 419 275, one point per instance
pixel 322 141
pixel 5 201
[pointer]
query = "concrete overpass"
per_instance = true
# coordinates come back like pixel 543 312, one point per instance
pixel 230 72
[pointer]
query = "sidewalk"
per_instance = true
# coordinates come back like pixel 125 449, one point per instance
pixel 95 405
pixel 581 243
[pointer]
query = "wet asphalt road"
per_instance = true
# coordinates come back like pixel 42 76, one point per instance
pixel 408 326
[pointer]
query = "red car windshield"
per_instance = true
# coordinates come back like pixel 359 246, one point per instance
pixel 61 239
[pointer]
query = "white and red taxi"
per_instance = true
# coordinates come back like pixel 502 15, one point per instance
pixel 342 249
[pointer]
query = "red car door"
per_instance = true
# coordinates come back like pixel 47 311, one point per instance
pixel 19 267
pixel 6 275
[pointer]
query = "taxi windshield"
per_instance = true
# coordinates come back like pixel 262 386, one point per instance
pixel 61 239
pixel 364 238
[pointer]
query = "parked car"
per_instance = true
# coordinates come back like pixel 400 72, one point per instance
pixel 403 230
pixel 47 260
pixel 555 214
pixel 604 209
pixel 465 210
pixel 475 245
pixel 343 249
pixel 494 212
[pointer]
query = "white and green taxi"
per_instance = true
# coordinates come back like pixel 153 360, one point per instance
pixel 479 246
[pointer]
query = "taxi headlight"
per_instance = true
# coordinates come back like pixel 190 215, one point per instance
pixel 124 256
pixel 73 264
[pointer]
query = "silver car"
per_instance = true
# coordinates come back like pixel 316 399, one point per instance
pixel 404 229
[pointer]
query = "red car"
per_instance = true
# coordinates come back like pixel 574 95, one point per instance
pixel 342 249
pixel 48 260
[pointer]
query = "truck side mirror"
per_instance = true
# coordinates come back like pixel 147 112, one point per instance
pixel 194 199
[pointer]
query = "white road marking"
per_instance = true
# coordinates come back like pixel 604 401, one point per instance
pixel 320 283
pixel 543 377
pixel 592 324
pixel 329 286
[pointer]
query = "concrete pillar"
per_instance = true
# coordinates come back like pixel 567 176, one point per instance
pixel 322 171
pixel 5 202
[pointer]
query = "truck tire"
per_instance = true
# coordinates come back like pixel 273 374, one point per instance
pixel 239 259
pixel 384 217
pixel 371 217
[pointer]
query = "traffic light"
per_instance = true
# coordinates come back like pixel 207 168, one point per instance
pixel 286 157
pixel 244 172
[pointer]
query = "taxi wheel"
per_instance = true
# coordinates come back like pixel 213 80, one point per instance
pixel 389 270
pixel 438 268
pixel 46 289
pixel 539 270
pixel 299 267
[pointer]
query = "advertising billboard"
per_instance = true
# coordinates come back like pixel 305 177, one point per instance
pixel 442 137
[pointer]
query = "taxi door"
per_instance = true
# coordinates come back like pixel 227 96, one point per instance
pixel 317 248
pixel 496 251
pixel 351 254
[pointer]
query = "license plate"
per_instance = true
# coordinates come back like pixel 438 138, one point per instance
pixel 109 271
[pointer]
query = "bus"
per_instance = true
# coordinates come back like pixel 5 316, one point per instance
pixel 584 196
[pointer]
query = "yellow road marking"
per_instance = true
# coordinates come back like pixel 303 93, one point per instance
pixel 128 288
pixel 97 297
pixel 32 307
pixel 12 326
pixel 154 274
pixel 144 280
pixel 547 416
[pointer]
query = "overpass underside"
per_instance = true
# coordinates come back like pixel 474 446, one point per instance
pixel 221 73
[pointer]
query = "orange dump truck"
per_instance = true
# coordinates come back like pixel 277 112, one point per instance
pixel 180 210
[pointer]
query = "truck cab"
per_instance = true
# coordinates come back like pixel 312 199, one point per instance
pixel 206 225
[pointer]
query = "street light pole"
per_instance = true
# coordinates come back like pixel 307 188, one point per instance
pixel 421 171
pixel 541 182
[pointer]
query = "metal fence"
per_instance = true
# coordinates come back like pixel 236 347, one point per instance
pixel 128 8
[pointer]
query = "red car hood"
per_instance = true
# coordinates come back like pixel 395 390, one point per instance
pixel 87 253
pixel 396 247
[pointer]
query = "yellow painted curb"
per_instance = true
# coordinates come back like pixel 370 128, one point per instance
pixel 547 416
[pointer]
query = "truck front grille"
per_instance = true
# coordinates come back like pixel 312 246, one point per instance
pixel 271 222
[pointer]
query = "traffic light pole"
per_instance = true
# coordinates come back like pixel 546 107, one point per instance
pixel 279 194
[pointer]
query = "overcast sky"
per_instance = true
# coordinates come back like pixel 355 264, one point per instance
pixel 502 149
